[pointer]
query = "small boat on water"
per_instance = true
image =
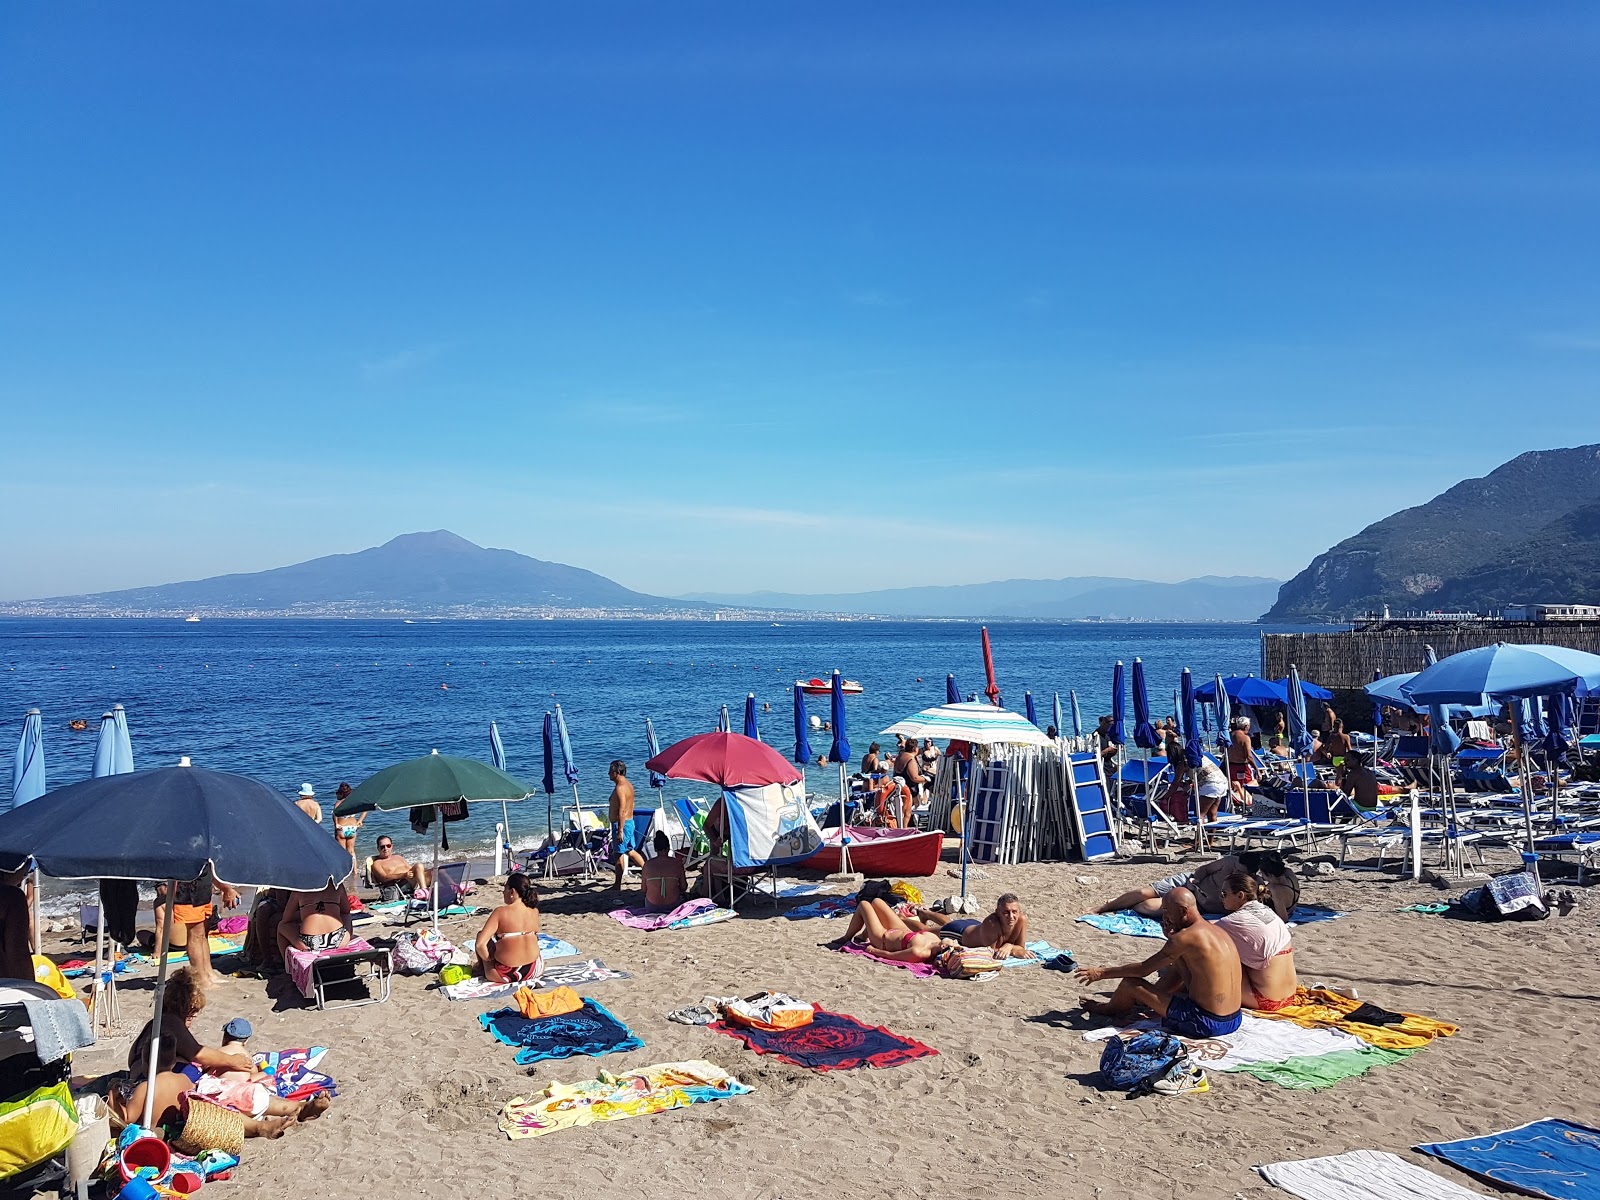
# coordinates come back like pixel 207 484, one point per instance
pixel 881 851
pixel 191 619
pixel 822 687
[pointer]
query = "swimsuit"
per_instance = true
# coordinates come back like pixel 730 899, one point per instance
pixel 317 942
pixel 521 973
pixel 347 832
pixel 958 928
pixel 624 838
pixel 1188 1018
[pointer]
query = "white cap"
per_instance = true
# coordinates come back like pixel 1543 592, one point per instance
pixel 307 790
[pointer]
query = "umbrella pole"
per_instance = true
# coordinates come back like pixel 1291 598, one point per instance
pixel 966 822
pixel 38 944
pixel 844 825
pixel 162 943
pixel 438 835
pixel 97 995
pixel 505 836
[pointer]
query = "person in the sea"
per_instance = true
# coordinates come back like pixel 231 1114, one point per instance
pixel 624 838
pixel 882 931
pixel 307 803
pixel 1197 989
pixel 1207 880
pixel 16 926
pixel 665 884
pixel 315 921
pixel 393 876
pixel 508 944
pixel 1265 946
pixel 1005 930
pixel 347 826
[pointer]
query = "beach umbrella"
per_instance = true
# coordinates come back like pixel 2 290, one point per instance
pixel 428 782
pixel 549 737
pixel 751 730
pixel 802 744
pixel 1310 691
pixel 1193 753
pixel 569 766
pixel 124 755
pixel 952 694
pixel 27 765
pixel 725 759
pixel 1077 713
pixel 1176 712
pixel 724 725
pixel 1055 711
pixel 1119 732
pixel 1144 734
pixel 173 824
pixel 1558 726
pixel 109 759
pixel 970 721
pixel 653 748
pixel 1027 705
pixel 840 753
pixel 1247 690
pixel 497 755
pixel 991 689
pixel 1503 672
pixel 1224 712
pixel 1299 734
pixel 105 747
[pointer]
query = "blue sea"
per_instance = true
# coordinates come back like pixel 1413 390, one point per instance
pixel 320 701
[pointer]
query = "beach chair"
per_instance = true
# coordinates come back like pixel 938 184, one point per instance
pixel 314 974
pixel 1577 848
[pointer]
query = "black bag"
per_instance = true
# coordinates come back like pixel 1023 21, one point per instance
pixel 1512 897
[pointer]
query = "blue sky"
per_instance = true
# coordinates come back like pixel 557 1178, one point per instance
pixel 809 297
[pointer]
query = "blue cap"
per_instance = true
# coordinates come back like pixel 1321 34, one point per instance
pixel 237 1030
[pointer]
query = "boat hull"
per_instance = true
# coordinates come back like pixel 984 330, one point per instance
pixel 881 851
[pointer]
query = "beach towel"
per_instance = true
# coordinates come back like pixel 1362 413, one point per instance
pixel 1323 1070
pixel 1551 1157
pixel 554 947
pixel 831 1042
pixel 1255 1041
pixel 1362 1175
pixel 611 1097
pixel 1043 952
pixel 690 912
pixel 1317 1007
pixel 830 906
pixel 553 1003
pixel 294 1072
pixel 1134 925
pixel 299 962
pixel 919 969
pixel 59 1027
pixel 217 945
pixel 233 925
pixel 587 970
pixel 591 1029
pixel 787 891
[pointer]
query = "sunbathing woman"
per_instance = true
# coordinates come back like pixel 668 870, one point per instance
pixel 508 943
pixel 315 921
pixel 880 929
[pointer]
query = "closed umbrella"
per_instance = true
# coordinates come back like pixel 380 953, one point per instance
pixel 27 783
pixel 991 689
pixel 1055 711
pixel 751 729
pixel 105 747
pixel 653 748
pixel 548 738
pixel 1224 713
pixel 802 744
pixel 1119 724
pixel 724 725
pixel 108 760
pixel 1144 734
pixel 124 759
pixel 1193 753
pixel 952 694
pixel 497 755
pixel 840 753
pixel 173 824
pixel 1027 707
pixel 569 766
pixel 1077 713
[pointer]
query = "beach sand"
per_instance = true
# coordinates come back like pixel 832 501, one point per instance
pixel 1008 1107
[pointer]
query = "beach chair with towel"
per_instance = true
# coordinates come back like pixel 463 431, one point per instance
pixel 313 972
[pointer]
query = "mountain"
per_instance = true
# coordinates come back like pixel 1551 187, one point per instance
pixel 1524 532
pixel 1210 598
pixel 415 573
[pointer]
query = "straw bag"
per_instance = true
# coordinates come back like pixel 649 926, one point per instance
pixel 210 1127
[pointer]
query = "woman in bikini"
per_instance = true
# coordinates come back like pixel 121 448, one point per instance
pixel 508 943
pixel 886 935
pixel 347 826
pixel 315 921
pixel 1266 950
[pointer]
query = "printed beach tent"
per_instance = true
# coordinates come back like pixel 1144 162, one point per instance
pixel 770 825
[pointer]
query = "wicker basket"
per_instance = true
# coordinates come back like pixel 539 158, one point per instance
pixel 210 1127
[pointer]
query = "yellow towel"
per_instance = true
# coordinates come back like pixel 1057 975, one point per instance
pixel 1317 1008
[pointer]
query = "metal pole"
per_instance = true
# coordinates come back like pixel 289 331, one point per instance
pixel 97 995
pixel 162 943
pixel 438 835
pixel 844 825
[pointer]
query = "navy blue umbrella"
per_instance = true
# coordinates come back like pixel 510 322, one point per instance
pixel 1558 726
pixel 952 694
pixel 1027 705
pixel 802 746
pixel 1119 732
pixel 1193 754
pixel 1144 734
pixel 549 739
pixel 654 747
pixel 751 729
pixel 840 752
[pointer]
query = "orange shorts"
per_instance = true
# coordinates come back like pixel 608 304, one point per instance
pixel 191 914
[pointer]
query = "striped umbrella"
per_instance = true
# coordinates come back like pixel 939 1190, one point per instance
pixel 979 723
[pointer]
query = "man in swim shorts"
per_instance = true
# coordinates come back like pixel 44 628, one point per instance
pixel 192 907
pixel 1005 930
pixel 1197 989
pixel 624 839
pixel 393 876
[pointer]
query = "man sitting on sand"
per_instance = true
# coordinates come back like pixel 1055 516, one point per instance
pixel 1207 881
pixel 393 876
pixel 1005 930
pixel 1266 950
pixel 663 878
pixel 1197 990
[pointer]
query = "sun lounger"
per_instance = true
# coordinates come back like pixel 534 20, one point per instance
pixel 312 973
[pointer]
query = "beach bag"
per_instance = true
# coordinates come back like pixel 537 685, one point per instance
pixel 209 1126
pixel 408 960
pixel 772 1011
pixel 1512 897
pixel 1124 1065
pixel 34 1127
pixel 962 962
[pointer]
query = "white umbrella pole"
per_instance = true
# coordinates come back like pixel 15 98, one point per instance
pixel 38 944
pixel 97 994
pixel 162 943
pixel 438 836
pixel 583 833
pixel 505 825
pixel 844 825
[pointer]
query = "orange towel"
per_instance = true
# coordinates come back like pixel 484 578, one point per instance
pixel 547 1004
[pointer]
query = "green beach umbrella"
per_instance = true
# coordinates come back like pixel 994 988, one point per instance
pixel 431 780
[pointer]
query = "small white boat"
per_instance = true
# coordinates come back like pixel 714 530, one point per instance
pixel 191 619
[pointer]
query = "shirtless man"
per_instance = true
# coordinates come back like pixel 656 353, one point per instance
pixel 623 838
pixel 665 884
pixel 1197 990
pixel 1357 781
pixel 307 803
pixel 1266 950
pixel 392 875
pixel 1005 930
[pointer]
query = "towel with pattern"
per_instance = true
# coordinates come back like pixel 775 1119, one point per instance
pixel 829 906
pixel 1255 1041
pixel 609 1097
pixel 1548 1158
pixel 1318 1008
pixel 1362 1175
pixel 591 1030
pixel 294 1072
pixel 689 913
pixel 1043 952
pixel 830 1042
pixel 921 970
pixel 554 975
pixel 299 962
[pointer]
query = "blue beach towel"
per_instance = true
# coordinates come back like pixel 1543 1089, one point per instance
pixel 1134 925
pixel 554 947
pixel 832 906
pixel 1043 952
pixel 1547 1158
pixel 590 1030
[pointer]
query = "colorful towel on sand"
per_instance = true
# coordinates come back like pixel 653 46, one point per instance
pixel 233 925
pixel 1324 1070
pixel 829 906
pixel 554 947
pixel 217 945
pixel 591 1030
pixel 919 969
pixel 299 962
pixel 1255 1041
pixel 1043 952
pixel 1316 1007
pixel 831 1042
pixel 690 912
pixel 1132 924
pixel 294 1072
pixel 588 970
pixel 1548 1158
pixel 611 1097
pixel 1362 1175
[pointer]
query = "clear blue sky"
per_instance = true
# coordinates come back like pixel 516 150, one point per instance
pixel 810 296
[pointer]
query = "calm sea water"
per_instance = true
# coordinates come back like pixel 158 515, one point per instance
pixel 291 702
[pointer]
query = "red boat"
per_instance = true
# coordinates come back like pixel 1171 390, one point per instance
pixel 881 851
pixel 824 687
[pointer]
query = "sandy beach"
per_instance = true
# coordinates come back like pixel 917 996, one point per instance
pixel 1009 1102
